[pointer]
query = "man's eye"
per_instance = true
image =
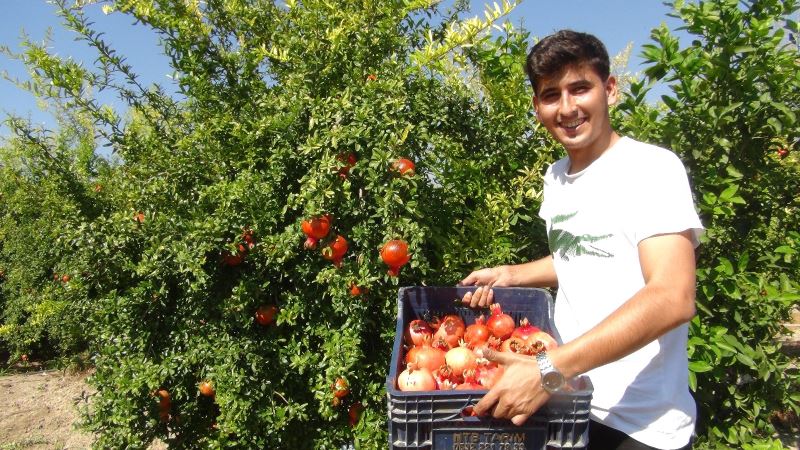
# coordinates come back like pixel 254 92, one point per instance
pixel 549 98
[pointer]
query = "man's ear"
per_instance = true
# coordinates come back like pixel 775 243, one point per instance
pixel 535 103
pixel 612 92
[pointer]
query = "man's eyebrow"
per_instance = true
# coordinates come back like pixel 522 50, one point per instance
pixel 547 90
pixel 580 82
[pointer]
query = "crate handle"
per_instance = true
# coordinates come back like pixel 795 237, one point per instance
pixel 468 414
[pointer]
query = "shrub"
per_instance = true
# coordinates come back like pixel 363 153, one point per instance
pixel 730 115
pixel 287 113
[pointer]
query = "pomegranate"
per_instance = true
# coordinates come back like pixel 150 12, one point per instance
pixel 477 333
pixel 440 343
pixel 416 379
pixel 447 385
pixel 349 160
pixel 164 400
pixel 494 343
pixel 231 260
pixel 335 250
pixel 315 229
pixel 535 347
pixel 207 389
pixel 500 324
pixel 545 339
pixel 515 345
pixel 265 314
pixel 426 356
pixel 356 290
pixel 404 166
pixel 416 331
pixel 460 359
pixel 470 382
pixel 247 237
pixel 354 413
pixel 451 330
pixel 444 377
pixel 340 388
pixel 394 254
pixel 488 373
pixel 525 330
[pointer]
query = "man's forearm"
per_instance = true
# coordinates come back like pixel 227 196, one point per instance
pixel 538 273
pixel 665 302
pixel 649 314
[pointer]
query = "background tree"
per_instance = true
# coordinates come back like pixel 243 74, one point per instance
pixel 731 116
pixel 287 113
pixel 185 247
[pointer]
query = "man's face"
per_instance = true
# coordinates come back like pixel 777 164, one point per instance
pixel 573 106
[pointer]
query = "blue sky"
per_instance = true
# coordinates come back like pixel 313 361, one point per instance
pixel 615 22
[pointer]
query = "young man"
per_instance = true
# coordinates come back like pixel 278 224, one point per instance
pixel 622 230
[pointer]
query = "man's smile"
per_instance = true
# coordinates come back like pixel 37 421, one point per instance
pixel 572 124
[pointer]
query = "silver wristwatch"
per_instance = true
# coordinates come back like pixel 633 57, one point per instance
pixel 552 380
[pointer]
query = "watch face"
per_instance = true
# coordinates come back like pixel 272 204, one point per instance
pixel 553 381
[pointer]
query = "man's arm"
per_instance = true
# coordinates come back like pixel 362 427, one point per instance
pixel 665 302
pixel 538 273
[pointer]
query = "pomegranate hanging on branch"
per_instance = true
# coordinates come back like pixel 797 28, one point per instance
pixel 395 255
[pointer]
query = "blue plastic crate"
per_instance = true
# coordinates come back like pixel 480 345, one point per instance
pixel 435 421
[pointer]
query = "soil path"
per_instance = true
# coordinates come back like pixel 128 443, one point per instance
pixel 37 411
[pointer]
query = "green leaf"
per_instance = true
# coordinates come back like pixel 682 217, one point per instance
pixel 744 49
pixel 725 266
pixel 746 360
pixel 788 113
pixel 728 193
pixel 733 172
pixel 776 125
pixel 700 366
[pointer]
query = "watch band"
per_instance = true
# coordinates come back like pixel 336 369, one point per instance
pixel 551 378
pixel 545 365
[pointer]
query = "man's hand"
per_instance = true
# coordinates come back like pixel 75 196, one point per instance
pixel 518 394
pixel 485 279
pixel 539 273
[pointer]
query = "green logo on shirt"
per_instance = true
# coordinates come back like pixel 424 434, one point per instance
pixel 565 244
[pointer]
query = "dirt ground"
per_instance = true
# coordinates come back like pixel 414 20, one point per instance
pixel 37 411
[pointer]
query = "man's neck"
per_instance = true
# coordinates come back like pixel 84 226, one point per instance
pixel 581 158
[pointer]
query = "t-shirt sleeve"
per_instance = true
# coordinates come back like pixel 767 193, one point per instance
pixel 665 203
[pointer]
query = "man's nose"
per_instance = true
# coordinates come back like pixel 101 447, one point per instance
pixel 567 105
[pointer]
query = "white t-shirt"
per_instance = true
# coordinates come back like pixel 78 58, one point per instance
pixel 595 221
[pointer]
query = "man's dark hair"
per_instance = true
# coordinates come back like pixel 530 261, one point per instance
pixel 566 48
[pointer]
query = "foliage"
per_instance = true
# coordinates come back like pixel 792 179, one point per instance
pixel 735 90
pixel 274 100
pixel 43 194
